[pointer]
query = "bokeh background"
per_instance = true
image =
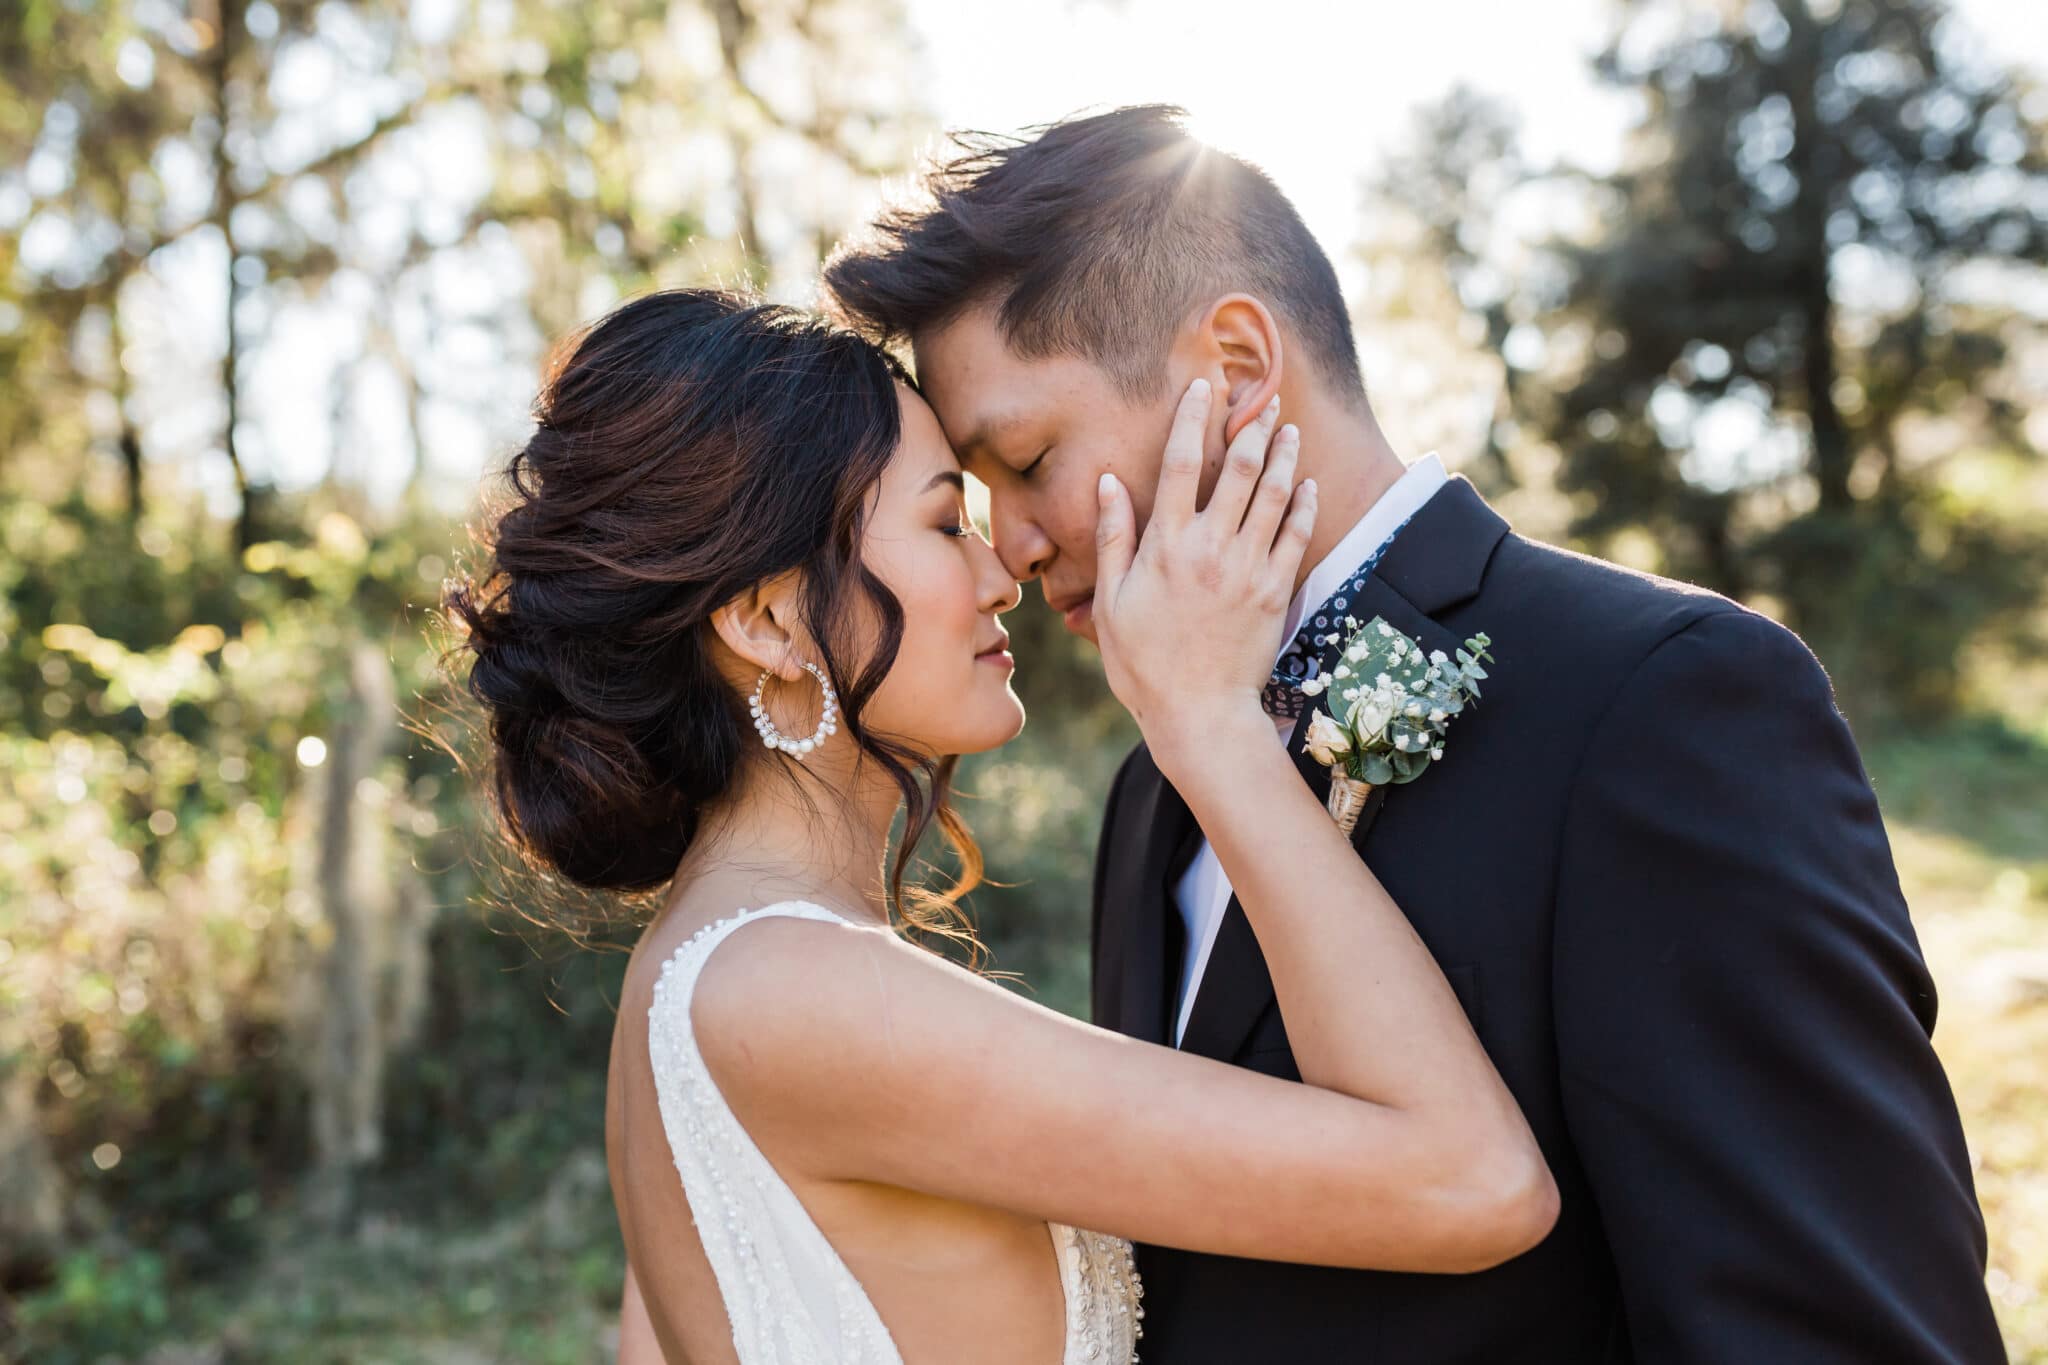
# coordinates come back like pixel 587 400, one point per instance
pixel 1751 293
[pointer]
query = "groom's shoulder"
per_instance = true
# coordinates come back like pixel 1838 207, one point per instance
pixel 1611 617
pixel 1579 589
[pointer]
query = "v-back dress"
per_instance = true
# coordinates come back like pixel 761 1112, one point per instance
pixel 790 1298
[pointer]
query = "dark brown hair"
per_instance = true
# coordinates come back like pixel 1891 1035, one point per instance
pixel 1094 238
pixel 691 445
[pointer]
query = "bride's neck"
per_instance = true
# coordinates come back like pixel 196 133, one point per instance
pixel 820 832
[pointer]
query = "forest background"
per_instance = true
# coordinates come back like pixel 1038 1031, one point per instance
pixel 283 1075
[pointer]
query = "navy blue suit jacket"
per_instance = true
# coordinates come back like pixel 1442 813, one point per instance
pixel 1652 867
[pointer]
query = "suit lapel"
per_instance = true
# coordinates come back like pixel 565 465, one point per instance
pixel 1441 559
pixel 1136 966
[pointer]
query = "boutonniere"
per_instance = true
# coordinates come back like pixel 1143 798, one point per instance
pixel 1389 707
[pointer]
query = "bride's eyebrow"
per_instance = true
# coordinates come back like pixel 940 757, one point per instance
pixel 945 476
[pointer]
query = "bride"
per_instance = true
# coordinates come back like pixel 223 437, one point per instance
pixel 735 623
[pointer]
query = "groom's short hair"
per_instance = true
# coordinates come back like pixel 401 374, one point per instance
pixel 1094 238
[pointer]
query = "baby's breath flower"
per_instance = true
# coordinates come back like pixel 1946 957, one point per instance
pixel 1403 712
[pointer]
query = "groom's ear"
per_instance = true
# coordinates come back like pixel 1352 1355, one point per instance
pixel 1241 339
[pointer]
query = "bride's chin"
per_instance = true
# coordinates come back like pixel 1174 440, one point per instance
pixel 1002 732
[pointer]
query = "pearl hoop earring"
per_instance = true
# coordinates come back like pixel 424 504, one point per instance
pixel 828 722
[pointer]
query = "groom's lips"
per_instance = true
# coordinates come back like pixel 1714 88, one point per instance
pixel 1075 611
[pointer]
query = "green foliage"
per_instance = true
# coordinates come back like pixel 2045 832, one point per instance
pixel 100 1304
pixel 178 607
pixel 1782 352
pixel 1749 391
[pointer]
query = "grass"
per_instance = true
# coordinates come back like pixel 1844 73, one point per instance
pixel 1969 819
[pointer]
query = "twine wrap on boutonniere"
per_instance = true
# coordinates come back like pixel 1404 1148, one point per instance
pixel 1389 707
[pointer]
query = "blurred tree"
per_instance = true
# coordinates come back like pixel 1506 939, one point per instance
pixel 1435 336
pixel 1787 318
pixel 175 156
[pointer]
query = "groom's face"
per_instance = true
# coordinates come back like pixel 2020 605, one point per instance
pixel 1041 433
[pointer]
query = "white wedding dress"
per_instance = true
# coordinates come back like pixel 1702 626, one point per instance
pixel 791 1300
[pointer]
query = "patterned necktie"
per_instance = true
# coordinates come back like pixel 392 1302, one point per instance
pixel 1318 639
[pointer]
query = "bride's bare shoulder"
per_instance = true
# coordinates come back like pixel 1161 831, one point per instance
pixel 777 975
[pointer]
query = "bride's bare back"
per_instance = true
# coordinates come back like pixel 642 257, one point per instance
pixel 951 1280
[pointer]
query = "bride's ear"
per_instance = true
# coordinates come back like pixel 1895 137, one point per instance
pixel 760 626
pixel 1243 340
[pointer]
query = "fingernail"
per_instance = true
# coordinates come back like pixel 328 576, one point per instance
pixel 1309 486
pixel 1272 408
pixel 1290 432
pixel 1199 389
pixel 1105 487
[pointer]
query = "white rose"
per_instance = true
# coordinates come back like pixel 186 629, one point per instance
pixel 1371 712
pixel 1327 741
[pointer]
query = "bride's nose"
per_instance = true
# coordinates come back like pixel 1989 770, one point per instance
pixel 997 590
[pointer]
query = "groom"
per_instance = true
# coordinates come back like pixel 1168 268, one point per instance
pixel 1650 862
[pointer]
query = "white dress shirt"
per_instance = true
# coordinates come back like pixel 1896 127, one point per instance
pixel 1204 892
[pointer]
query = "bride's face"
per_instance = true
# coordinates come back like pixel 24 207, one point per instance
pixel 948 691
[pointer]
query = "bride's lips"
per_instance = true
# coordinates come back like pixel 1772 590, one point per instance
pixel 997 654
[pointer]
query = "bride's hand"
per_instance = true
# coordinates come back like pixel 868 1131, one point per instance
pixel 1189 617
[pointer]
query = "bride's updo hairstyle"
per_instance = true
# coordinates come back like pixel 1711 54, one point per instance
pixel 689 446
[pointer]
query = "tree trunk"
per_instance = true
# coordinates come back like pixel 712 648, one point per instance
pixel 368 985
pixel 227 25
pixel 129 442
pixel 1816 164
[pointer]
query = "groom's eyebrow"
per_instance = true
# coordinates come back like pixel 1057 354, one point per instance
pixel 991 430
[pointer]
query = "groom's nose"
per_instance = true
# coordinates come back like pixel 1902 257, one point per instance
pixel 1019 541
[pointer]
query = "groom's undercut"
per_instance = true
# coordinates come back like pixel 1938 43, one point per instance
pixel 1094 237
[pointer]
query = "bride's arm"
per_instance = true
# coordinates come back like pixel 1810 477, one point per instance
pixel 879 1062
pixel 1404 1151
pixel 1189 624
